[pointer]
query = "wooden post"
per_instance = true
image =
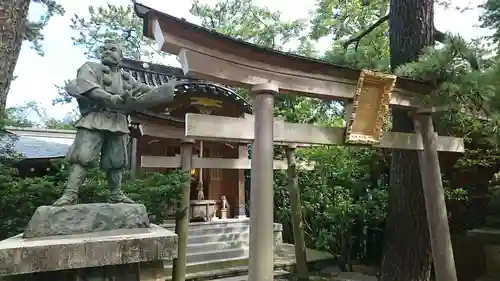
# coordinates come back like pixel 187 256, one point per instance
pixel 297 224
pixel 182 215
pixel 437 217
pixel 261 260
pixel 133 158
pixel 242 154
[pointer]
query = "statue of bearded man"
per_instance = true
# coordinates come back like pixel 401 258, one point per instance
pixel 105 95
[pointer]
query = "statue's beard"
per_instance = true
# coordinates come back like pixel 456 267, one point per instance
pixel 108 60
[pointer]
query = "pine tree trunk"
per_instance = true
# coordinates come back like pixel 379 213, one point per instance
pixel 13 17
pixel 407 254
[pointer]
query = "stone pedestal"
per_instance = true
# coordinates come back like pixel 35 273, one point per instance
pixel 223 214
pixel 203 209
pixel 490 237
pixel 242 211
pixel 492 260
pixel 126 254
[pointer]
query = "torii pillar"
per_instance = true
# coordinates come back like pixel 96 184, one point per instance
pixel 261 264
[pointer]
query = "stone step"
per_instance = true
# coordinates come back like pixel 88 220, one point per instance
pixel 206 269
pixel 216 229
pixel 224 237
pixel 197 257
pixel 221 269
pixel 220 254
pixel 353 276
pixel 215 246
pixel 278 275
pixel 220 223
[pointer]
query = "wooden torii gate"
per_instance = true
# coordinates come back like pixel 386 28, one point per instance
pixel 212 56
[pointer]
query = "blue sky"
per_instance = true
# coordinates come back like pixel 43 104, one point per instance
pixel 37 76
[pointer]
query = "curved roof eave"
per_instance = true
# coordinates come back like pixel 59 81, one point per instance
pixel 308 64
pixel 156 75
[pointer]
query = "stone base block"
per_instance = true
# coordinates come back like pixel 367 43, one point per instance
pixel 492 260
pixel 85 218
pixel 103 253
pixel 145 271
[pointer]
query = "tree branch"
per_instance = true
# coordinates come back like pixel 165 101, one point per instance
pixel 471 58
pixel 439 36
pixel 357 38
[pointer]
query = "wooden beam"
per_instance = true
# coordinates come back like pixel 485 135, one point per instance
pixel 213 163
pixel 235 69
pixel 221 163
pixel 210 127
pixel 160 162
pixel 159 131
pixel 240 72
pixel 154 129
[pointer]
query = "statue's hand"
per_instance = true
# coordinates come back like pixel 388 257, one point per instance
pixel 116 100
pixel 128 96
pixel 135 91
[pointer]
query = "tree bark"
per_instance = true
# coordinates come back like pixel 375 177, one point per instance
pixel 407 254
pixel 13 18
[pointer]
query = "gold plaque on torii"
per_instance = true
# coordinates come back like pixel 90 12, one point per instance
pixel 206 102
pixel 369 108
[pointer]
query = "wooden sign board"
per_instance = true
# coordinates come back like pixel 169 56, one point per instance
pixel 369 108
pixel 211 127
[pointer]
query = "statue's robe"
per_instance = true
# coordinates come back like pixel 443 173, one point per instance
pixel 101 131
pixel 95 116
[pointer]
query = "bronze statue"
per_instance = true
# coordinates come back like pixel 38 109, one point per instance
pixel 105 96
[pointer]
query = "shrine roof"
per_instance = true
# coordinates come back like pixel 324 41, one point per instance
pixel 156 75
pixel 34 148
pixel 215 40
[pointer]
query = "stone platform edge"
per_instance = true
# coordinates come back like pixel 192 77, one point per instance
pixel 21 256
pixel 225 222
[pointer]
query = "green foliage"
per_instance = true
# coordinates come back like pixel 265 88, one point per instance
pixel 21 116
pixel 365 57
pixel 491 18
pixel 469 93
pixel 337 195
pixel 112 22
pixel 243 20
pixel 33 32
pixel 19 197
pixel 17 117
pixel 159 192
pixel 346 19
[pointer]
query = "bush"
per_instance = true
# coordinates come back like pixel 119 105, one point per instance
pixel 340 201
pixel 19 197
